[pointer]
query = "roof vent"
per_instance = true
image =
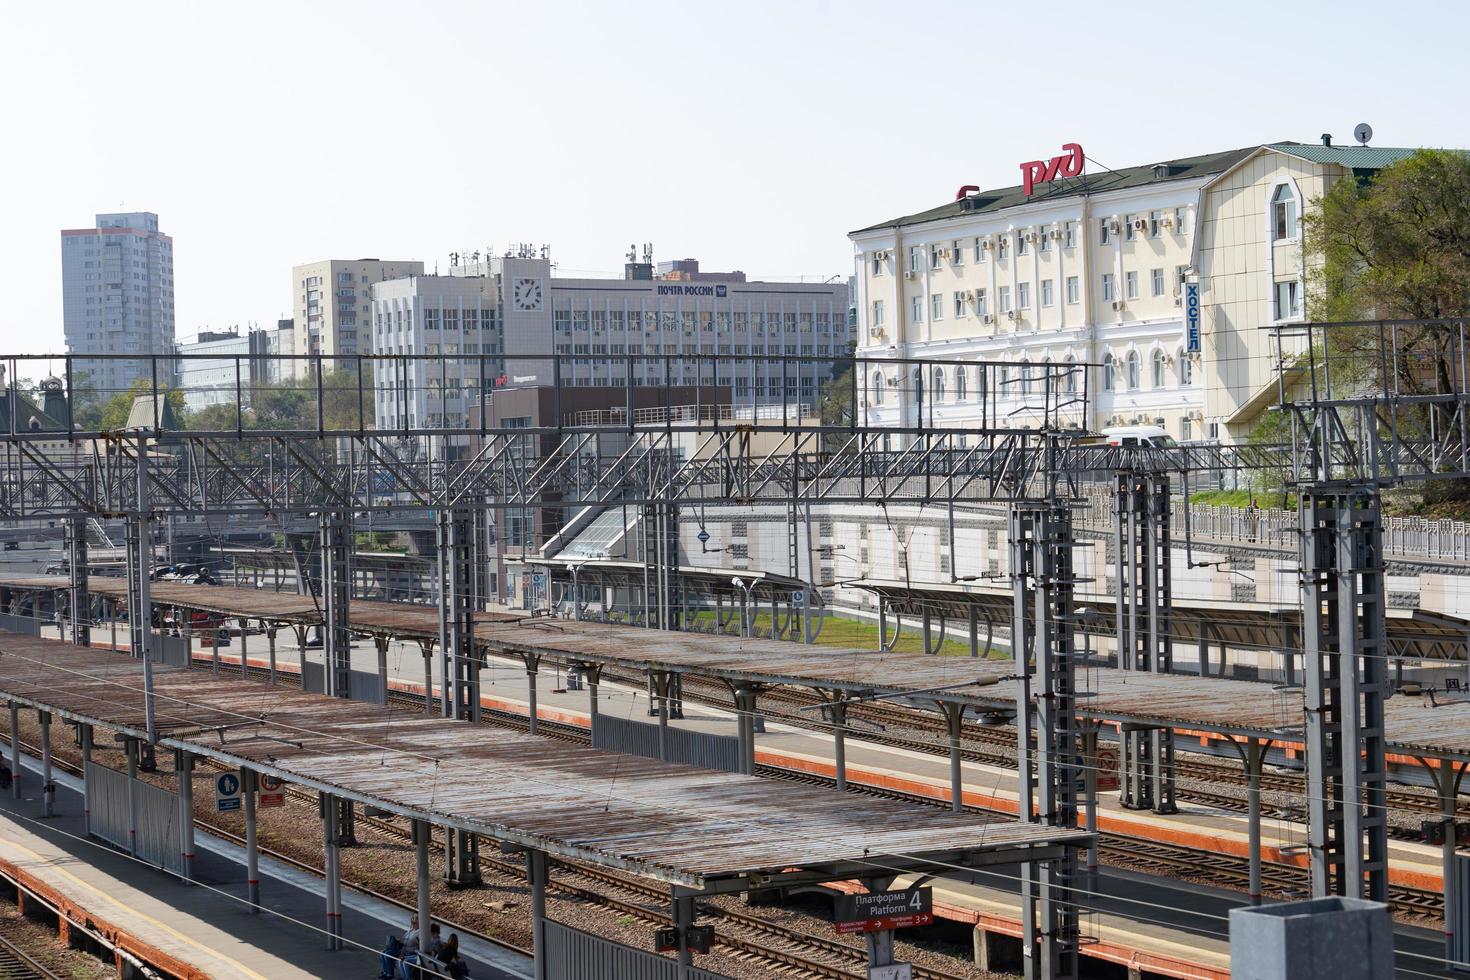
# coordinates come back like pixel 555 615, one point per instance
pixel 1326 139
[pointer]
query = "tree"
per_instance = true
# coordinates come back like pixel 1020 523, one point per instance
pixel 1396 246
pixel 115 411
pixel 835 403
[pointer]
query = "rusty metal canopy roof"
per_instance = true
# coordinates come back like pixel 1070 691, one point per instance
pixel 1412 633
pixel 692 827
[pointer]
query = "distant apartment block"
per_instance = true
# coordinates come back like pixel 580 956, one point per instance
pixel 117 282
pixel 331 305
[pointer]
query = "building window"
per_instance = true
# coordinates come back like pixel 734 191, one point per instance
pixel 1070 381
pixel 916 258
pixel 916 309
pixel 1104 232
pixel 1156 369
pixel 1283 214
pixel 1180 274
pixel 1109 294
pixel 959 384
pixel 1043 243
pixel 1288 300
pixel 1179 215
pixel 1025 377
pixel 1046 292
pixel 981 300
pixel 935 255
pixel 1021 244
pixel 1186 369
pixel 979 249
pixel 1128 228
pixel 1069 235
pixel 959 304
pixel 957 252
pixel 877 313
pixel 1153 224
pixel 1107 372
pixel 936 304
pixel 1130 283
pixel 1157 279
pixel 877 263
pixel 1005 299
pixel 1023 296
pixel 878 387
pixel 1002 243
pixel 938 394
pixel 1131 365
pixel 1074 290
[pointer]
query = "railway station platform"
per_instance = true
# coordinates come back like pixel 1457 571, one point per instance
pixel 204 929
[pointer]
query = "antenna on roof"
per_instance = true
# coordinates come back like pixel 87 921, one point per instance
pixel 1362 132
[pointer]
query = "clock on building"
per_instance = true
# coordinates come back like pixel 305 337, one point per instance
pixel 527 295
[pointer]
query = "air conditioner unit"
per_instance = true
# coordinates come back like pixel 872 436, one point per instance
pixel 1141 224
pixel 911 274
pixel 1114 226
pixel 1056 234
pixel 1030 236
pixel 988 244
pixel 1118 304
pixel 875 331
pixel 1178 301
pixel 944 253
pixel 990 318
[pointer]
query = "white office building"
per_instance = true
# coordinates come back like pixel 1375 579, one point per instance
pixel 223 367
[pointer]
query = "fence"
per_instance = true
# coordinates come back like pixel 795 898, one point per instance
pixel 680 744
pixel 572 954
pixel 27 625
pixel 1404 537
pixel 120 804
pixel 362 685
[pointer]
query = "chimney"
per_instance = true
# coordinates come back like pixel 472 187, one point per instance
pixel 1326 139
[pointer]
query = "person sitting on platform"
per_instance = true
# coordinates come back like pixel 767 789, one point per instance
pixel 409 967
pixel 397 950
pixel 454 964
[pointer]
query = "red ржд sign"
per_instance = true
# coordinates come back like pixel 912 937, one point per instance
pixel 1067 164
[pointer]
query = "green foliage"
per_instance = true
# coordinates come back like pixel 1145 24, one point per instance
pixel 291 404
pixel 835 403
pixel 113 413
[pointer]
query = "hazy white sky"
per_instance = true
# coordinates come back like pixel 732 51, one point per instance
pixel 752 135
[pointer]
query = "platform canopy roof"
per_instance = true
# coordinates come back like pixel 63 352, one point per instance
pixel 697 828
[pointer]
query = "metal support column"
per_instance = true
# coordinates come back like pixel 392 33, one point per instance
pixel 1044 530
pixel 421 835
pixel 954 723
pixel 838 713
pixel 79 600
pixel 86 736
pixel 331 869
pixel 15 750
pixel 1344 648
pixel 536 872
pixel 464 658
pixel 140 570
pixel 335 598
pixel 1143 597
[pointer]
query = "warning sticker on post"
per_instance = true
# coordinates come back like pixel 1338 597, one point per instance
pixel 876 911
pixel 272 790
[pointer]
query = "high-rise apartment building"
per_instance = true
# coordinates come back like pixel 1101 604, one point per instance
pixel 332 308
pixel 117 282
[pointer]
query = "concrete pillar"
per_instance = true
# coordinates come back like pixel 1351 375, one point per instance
pixel 244 656
pixel 839 741
pixel 131 745
pixel 330 869
pixel 954 718
pixel 1333 938
pixel 381 643
pixel 270 635
pixel 531 670
pixel 1255 751
pixel 185 766
pixel 48 788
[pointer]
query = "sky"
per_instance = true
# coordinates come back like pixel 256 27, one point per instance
pixel 750 135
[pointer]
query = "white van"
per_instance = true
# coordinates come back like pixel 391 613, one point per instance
pixel 1136 436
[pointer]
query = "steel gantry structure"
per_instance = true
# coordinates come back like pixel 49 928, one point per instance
pixel 1371 404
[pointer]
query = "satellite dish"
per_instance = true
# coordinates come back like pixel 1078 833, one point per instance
pixel 1362 132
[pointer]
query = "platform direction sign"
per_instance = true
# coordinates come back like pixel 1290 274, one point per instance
pixel 876 911
pixel 227 792
pixel 272 790
pixel 703 536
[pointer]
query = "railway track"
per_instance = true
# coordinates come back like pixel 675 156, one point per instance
pixel 17 964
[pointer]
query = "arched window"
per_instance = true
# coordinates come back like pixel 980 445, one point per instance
pixel 1283 214
pixel 1025 377
pixel 878 385
pixel 918 386
pixel 1071 380
pixel 959 384
pixel 938 385
pixel 1109 366
pixel 1156 366
pixel 1132 368
pixel 1186 369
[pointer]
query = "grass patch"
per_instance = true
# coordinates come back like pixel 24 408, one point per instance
pixel 850 633
pixel 1242 498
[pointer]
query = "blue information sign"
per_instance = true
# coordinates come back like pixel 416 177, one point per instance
pixel 1191 316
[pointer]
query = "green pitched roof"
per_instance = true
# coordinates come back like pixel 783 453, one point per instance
pixel 1093 183
pixel 1353 157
